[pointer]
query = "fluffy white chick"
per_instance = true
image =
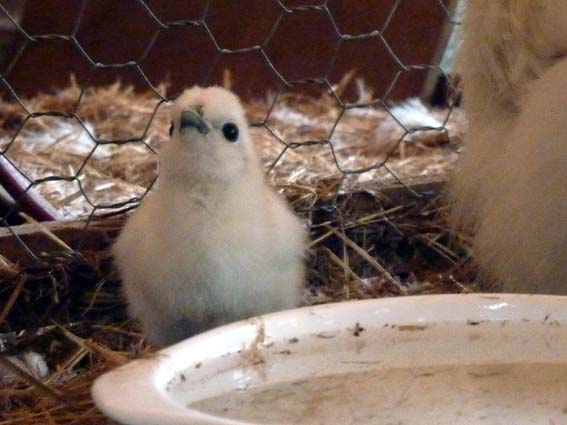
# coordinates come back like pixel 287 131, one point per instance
pixel 214 243
pixel 511 183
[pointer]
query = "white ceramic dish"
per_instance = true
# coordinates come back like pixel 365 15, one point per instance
pixel 446 359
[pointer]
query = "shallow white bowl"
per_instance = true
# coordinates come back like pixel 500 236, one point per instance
pixel 437 359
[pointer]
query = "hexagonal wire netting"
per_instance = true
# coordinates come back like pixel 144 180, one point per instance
pixel 318 114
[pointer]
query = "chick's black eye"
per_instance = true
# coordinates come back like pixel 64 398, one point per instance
pixel 171 129
pixel 230 132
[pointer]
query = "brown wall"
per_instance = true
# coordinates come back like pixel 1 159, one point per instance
pixel 304 44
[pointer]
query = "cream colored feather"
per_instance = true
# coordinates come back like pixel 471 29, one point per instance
pixel 214 243
pixel 511 184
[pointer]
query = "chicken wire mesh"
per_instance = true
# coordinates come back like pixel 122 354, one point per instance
pixel 70 121
pixel 65 154
pixel 325 130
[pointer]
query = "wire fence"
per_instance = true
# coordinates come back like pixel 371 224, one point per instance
pixel 24 114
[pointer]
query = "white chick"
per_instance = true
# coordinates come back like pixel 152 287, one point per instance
pixel 511 182
pixel 214 243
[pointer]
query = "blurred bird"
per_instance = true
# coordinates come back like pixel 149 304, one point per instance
pixel 511 182
pixel 214 243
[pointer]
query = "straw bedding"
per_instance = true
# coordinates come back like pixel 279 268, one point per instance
pixel 377 233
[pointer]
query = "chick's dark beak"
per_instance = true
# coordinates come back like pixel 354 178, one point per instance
pixel 194 118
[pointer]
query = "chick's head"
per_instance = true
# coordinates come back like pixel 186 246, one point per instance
pixel 210 135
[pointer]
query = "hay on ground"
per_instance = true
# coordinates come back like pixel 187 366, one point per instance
pixel 371 236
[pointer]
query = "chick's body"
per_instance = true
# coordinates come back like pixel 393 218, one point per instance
pixel 214 243
pixel 511 184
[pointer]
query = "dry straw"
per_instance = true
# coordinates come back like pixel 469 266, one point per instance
pixel 371 236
